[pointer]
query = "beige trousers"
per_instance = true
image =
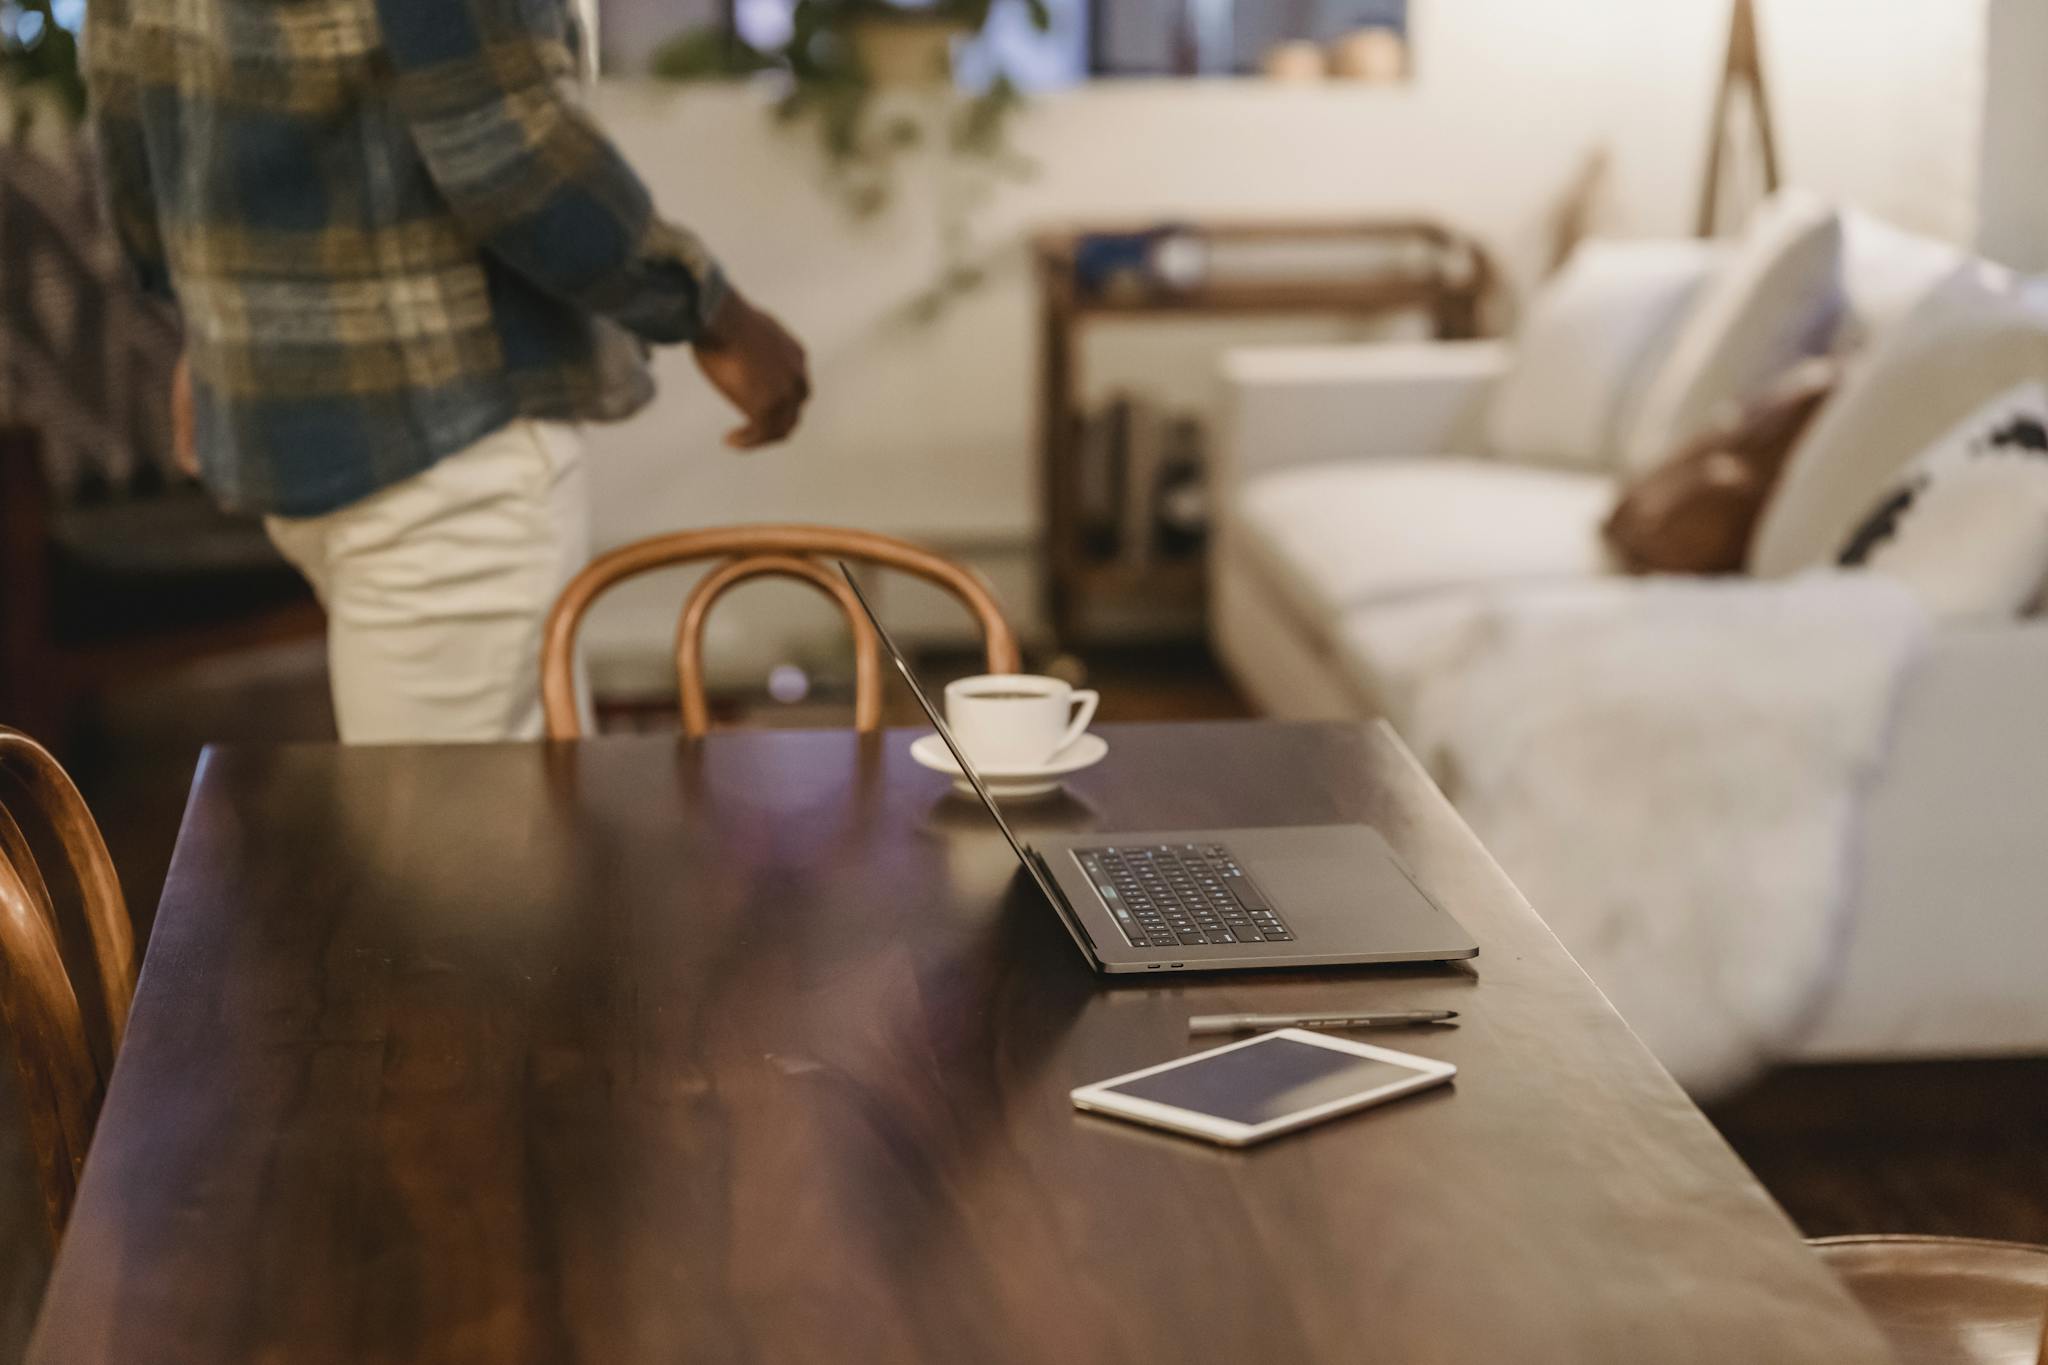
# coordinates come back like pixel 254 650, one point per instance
pixel 436 588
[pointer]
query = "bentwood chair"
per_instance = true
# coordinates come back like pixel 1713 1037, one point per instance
pixel 745 552
pixel 63 1067
pixel 1949 1300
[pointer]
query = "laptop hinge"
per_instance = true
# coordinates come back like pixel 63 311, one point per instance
pixel 1062 906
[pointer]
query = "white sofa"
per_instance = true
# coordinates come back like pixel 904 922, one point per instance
pixel 1345 484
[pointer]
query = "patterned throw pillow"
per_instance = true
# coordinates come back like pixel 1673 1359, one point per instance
pixel 1966 527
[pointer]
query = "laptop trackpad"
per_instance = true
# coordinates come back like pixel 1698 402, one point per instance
pixel 1342 889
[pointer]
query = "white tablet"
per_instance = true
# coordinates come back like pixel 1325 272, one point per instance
pixel 1247 1092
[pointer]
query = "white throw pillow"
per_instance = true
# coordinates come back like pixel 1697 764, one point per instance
pixel 1886 273
pixel 1594 333
pixel 1966 529
pixel 1967 342
pixel 1777 299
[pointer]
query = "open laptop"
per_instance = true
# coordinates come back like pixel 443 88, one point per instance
pixel 1220 900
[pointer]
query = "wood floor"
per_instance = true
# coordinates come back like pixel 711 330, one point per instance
pixel 1958 1148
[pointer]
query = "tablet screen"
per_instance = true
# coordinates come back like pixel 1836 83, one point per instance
pixel 1263 1081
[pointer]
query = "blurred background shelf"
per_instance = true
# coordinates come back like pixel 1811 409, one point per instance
pixel 1369 271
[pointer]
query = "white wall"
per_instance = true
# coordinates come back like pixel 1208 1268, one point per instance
pixel 2012 193
pixel 926 428
pixel 1883 103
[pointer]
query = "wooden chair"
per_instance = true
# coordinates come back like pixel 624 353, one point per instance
pixel 1949 1300
pixel 63 1070
pixel 799 552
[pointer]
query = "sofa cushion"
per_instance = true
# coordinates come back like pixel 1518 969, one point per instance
pixel 1334 536
pixel 1390 651
pixel 1776 299
pixel 1594 333
pixel 1968 342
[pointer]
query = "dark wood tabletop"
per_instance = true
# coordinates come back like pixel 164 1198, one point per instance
pixel 757 1050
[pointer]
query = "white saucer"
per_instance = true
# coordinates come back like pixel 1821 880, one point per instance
pixel 1013 784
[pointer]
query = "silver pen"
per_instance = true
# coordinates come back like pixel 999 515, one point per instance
pixel 1251 1023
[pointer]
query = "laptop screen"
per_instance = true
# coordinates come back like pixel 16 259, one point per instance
pixel 938 721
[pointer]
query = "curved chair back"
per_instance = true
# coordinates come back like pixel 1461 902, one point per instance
pixel 62 1080
pixel 799 552
pixel 1948 1300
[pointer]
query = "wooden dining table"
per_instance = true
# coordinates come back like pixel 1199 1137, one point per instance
pixel 758 1049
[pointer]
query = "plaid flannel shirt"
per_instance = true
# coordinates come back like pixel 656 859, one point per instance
pixel 388 227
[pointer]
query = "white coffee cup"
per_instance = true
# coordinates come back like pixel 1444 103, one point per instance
pixel 1014 722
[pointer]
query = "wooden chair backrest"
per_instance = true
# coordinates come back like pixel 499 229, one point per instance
pixel 62 1080
pixel 800 552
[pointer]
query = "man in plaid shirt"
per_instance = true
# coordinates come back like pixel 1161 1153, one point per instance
pixel 406 261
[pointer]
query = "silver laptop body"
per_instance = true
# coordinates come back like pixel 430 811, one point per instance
pixel 1220 900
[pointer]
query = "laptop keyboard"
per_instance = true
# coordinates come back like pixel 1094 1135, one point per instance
pixel 1181 895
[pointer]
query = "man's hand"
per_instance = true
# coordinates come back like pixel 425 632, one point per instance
pixel 759 367
pixel 184 425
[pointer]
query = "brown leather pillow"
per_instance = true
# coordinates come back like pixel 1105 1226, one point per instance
pixel 1695 513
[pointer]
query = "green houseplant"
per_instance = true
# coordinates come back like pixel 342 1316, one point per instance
pixel 841 55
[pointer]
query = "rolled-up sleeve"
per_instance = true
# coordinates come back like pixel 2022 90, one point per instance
pixel 530 175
